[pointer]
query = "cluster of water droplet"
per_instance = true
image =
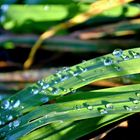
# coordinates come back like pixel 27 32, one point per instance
pixel 59 77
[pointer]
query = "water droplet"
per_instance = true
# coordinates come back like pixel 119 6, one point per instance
pixel 137 94
pixel 89 107
pixel 16 123
pixel 45 86
pixel 16 104
pixel 10 124
pixel 0 122
pixel 137 55
pixel 5 104
pixel 65 68
pixel 22 107
pixel 77 107
pixel 128 108
pixel 81 68
pixel 44 99
pixel 134 54
pixel 40 83
pixel 9 118
pixel 103 111
pixel 125 57
pixel 108 61
pixel 55 91
pixel 117 52
pixel 135 101
pixel 117 68
pixel 64 77
pixel 109 106
pixel 35 91
pixel 72 90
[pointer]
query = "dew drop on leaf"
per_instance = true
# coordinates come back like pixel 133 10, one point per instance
pixel 134 54
pixel 35 91
pixel 9 117
pixel 40 83
pixel 5 104
pixel 90 107
pixel 103 111
pixel 16 123
pixel 45 86
pixel 55 90
pixel 137 94
pixel 109 106
pixel 135 101
pixel 107 61
pixel 44 99
pixel 117 68
pixel 117 52
pixel 16 104
pixel 128 108
pixel 125 57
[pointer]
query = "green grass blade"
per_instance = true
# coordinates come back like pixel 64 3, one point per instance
pixel 92 104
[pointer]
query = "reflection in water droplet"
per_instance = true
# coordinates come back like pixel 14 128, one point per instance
pixel 107 61
pixel 16 104
pixel 117 52
pixel 5 104
pixel 128 108
pixel 109 106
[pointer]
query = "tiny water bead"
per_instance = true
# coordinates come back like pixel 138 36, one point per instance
pixel 16 104
pixel 9 117
pixel 125 57
pixel 109 106
pixel 117 68
pixel 117 52
pixel 40 82
pixel 102 111
pixel 81 69
pixel 134 54
pixel 108 61
pixel 45 86
pixel 35 91
pixel 44 99
pixel 16 123
pixel 5 104
pixel 89 107
pixel 127 108
pixel 138 94
pixel 55 90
